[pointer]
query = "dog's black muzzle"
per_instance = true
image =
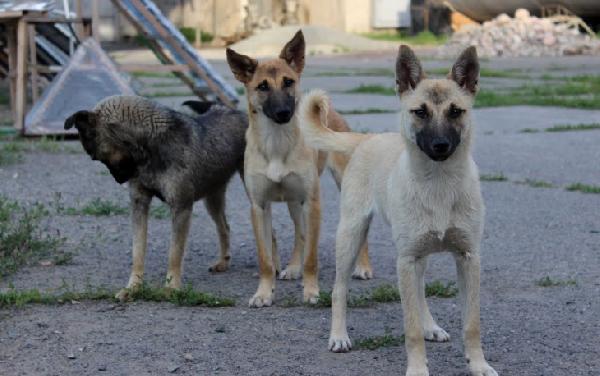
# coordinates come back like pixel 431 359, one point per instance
pixel 438 146
pixel 280 107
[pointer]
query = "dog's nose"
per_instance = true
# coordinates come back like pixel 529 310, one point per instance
pixel 283 115
pixel 440 145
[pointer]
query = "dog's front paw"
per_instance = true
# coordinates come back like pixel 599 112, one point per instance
pixel 482 369
pixel 291 272
pixel 362 272
pixel 260 300
pixel 340 344
pixel 219 267
pixel 436 334
pixel 123 295
pixel 311 295
pixel 417 371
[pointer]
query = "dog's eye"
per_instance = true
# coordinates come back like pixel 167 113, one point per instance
pixel 455 112
pixel 420 112
pixel 288 82
pixel 263 86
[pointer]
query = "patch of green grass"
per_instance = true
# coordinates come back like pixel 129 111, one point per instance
pixel 529 130
pixel 441 290
pixel 536 183
pixel 573 127
pixel 64 258
pixel 22 237
pixel 160 211
pixel 386 293
pixel 422 38
pixel 240 90
pixel 584 188
pixel 97 207
pixel 186 296
pixel 366 111
pixel 549 282
pixel 10 153
pixel 164 84
pixel 373 343
pixel 189 33
pixel 372 89
pixel 483 72
pixel 577 92
pixel 493 177
pixel 359 72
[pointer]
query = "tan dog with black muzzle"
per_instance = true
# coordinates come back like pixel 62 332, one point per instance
pixel 425 184
pixel 279 166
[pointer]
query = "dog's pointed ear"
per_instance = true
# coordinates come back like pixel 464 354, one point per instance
pixel 81 120
pixel 408 70
pixel 293 52
pixel 465 72
pixel 242 66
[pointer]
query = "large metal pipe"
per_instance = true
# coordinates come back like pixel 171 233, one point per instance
pixel 483 10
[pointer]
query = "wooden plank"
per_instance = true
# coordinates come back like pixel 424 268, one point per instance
pixel 154 68
pixel 33 63
pixel 189 61
pixel 11 32
pixel 21 89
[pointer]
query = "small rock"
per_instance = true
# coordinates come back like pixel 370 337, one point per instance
pixel 102 368
pixel 173 368
pixel 71 356
pixel 189 357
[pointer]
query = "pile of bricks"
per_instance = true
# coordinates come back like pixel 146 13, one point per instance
pixel 524 35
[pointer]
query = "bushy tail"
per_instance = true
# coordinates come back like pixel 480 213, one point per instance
pixel 314 111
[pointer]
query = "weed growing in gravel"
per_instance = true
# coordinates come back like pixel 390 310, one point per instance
pixel 549 282
pixel 573 127
pixel 97 207
pixel 160 211
pixel 366 111
pixel 584 188
pixel 240 90
pixel 21 236
pixel 578 92
pixel 385 294
pixel 493 177
pixel 185 296
pixel 372 89
pixel 10 153
pixel 536 183
pixel 441 290
pixel 529 130
pixel 373 343
pixel 18 298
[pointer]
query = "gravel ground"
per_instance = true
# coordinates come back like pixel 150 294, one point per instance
pixel 530 233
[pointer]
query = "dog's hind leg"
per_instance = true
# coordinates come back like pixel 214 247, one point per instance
pixel 140 205
pixel 468 269
pixel 431 330
pixel 294 268
pixel 215 206
pixel 180 226
pixel 351 233
pixel 337 163
pixel 261 223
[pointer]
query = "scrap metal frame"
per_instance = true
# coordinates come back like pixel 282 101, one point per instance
pixel 173 50
pixel 21 35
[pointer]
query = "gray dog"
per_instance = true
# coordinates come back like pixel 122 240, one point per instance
pixel 164 153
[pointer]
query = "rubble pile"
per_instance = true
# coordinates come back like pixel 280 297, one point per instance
pixel 524 35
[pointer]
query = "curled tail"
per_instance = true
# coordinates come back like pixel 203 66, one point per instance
pixel 314 116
